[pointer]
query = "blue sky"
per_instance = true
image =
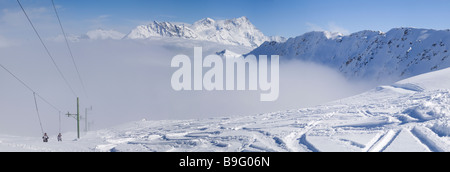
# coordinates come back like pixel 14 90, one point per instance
pixel 273 17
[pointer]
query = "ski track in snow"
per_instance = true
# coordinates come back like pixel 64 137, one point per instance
pixel 388 118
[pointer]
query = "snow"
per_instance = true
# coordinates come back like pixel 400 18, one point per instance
pixel 442 128
pixel 436 80
pixel 372 121
pixel 333 35
pixel 405 141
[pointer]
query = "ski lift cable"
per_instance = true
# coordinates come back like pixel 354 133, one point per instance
pixel 46 49
pixel 37 112
pixel 29 88
pixel 68 47
pixel 59 118
pixel 35 96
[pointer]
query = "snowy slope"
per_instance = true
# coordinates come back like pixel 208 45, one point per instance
pixel 411 115
pixel 398 54
pixel 238 31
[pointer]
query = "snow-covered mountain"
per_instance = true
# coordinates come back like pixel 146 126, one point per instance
pixel 238 31
pixel 400 53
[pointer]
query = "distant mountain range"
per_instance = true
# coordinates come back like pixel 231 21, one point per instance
pixel 238 31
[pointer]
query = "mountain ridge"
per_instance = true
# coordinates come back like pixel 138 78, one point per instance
pixel 399 53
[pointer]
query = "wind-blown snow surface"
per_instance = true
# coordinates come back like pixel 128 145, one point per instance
pixel 411 115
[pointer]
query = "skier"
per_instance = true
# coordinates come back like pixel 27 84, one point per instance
pixel 59 137
pixel 45 137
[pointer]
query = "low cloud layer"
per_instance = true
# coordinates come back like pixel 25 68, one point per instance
pixel 128 80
